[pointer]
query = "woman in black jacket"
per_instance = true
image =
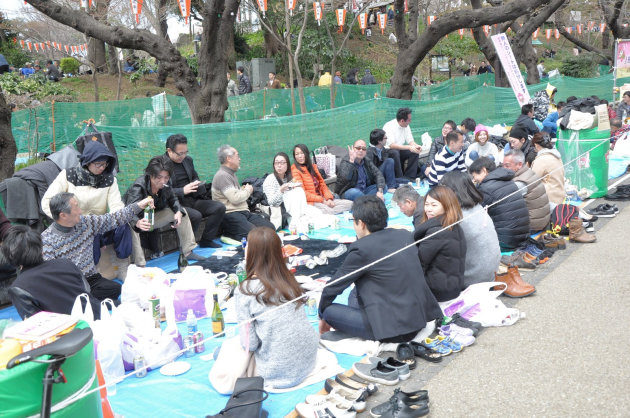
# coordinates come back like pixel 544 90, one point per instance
pixel 443 256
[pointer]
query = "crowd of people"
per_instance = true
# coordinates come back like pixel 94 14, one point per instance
pixel 481 201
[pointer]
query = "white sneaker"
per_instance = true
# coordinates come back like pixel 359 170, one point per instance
pixel 461 339
pixel 323 410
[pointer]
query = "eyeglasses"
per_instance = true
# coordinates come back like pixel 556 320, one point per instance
pixel 280 162
pixel 101 164
pixel 180 154
pixel 360 148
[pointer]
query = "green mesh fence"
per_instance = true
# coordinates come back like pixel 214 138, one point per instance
pixel 258 140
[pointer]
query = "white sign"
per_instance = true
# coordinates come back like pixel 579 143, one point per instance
pixel 510 66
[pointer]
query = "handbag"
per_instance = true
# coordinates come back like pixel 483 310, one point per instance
pixel 325 161
pixel 246 400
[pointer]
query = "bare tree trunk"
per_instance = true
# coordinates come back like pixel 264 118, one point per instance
pixel 96 53
pixel 119 76
pixel 112 60
pixel 95 80
pixel 162 75
pixel 207 95
pixel 413 48
pixel 8 148
pixel 287 41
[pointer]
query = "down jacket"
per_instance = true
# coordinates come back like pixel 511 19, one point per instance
pixel 443 258
pixel 535 198
pixel 312 195
pixel 510 216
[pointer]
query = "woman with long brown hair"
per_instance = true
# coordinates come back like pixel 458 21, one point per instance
pixel 443 255
pixel 283 341
pixel 315 188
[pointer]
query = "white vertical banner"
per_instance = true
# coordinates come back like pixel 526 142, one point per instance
pixel 510 66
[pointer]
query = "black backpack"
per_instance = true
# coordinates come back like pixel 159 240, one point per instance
pixel 258 196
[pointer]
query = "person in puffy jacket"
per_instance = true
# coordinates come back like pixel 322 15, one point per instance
pixel 443 255
pixel 509 214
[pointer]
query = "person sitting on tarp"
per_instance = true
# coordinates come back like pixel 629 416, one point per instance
pixel 72 237
pixel 154 184
pixel 51 285
pixel 550 124
pixel 623 108
pixel 543 102
pixel 617 130
pixel 130 65
pixel 519 139
pixel 391 301
pixel 96 188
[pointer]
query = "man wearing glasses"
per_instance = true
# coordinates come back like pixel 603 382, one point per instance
pixel 95 187
pixel 192 193
pixel 358 176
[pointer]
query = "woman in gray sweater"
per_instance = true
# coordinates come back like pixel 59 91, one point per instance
pixel 283 341
pixel 482 244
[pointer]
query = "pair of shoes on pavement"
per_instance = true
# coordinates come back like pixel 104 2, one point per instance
pixel 622 193
pixel 386 371
pixel 604 210
pixel 462 336
pixel 554 241
pixel 403 405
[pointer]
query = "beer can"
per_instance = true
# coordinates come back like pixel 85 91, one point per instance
pixel 198 341
pixel 155 307
pixel 311 307
pixel 139 366
pixel 189 345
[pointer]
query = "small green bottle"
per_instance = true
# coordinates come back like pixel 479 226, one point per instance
pixel 149 216
pixel 217 317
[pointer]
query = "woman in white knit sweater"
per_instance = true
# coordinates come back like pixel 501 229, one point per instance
pixel 279 188
pixel 482 147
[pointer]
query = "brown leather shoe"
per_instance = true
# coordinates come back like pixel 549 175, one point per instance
pixel 577 232
pixel 514 289
pixel 513 270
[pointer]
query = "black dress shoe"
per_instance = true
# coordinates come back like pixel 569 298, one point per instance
pixel 404 410
pixel 401 398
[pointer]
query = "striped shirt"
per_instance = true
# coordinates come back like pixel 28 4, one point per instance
pixel 444 162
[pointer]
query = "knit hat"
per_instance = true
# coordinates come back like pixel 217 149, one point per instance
pixel 480 128
pixel 518 132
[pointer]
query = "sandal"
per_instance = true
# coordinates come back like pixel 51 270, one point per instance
pixel 427 354
pixel 405 353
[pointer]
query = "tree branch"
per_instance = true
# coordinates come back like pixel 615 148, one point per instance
pixel 578 42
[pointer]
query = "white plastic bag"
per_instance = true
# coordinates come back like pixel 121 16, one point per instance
pixel 108 333
pixel 79 312
pixel 479 303
pixel 192 290
pixel 162 348
pixel 142 283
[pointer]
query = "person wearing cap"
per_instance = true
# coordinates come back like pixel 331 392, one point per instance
pixel 482 147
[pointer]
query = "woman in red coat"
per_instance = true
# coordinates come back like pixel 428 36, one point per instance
pixel 317 193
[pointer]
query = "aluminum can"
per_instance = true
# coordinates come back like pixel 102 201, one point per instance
pixel 417 181
pixel 198 341
pixel 189 345
pixel 139 366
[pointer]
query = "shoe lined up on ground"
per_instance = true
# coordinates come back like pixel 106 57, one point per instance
pixel 425 353
pixel 353 382
pixel 551 240
pixel 323 410
pixel 518 259
pixel 461 336
pixel 578 234
pixel 459 320
pixel 402 367
pixel 621 193
pixel 404 353
pixel 413 404
pixel 378 373
pixel 604 210
pixel 516 286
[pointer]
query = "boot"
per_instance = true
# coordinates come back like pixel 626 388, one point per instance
pixel 514 289
pixel 516 275
pixel 577 232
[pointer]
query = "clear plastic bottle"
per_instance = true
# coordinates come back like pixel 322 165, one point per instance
pixel 191 322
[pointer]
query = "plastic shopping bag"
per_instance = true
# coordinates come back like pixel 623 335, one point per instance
pixel 192 290
pixel 142 283
pixel 82 313
pixel 108 334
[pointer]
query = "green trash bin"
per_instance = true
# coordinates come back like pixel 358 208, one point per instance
pixel 21 387
pixel 590 170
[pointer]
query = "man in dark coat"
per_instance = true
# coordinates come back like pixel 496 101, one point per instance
pixel 525 122
pixel 391 301
pixel 368 78
pixel 510 215
pixel 192 193
pixel 244 86
pixel 358 176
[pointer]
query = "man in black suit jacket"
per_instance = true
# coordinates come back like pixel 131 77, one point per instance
pixel 192 193
pixel 391 301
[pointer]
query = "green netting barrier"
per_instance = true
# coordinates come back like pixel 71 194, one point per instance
pixel 258 140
